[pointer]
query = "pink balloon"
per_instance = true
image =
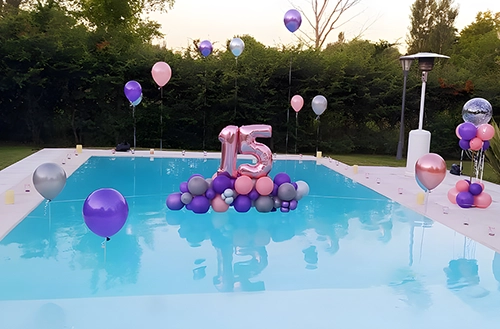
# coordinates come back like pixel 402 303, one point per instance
pixel 452 195
pixel 485 132
pixel 248 145
pixel 462 186
pixel 430 170
pixel 476 144
pixel 161 73
pixel 229 139
pixel 297 102
pixel 264 185
pixel 243 185
pixel 482 200
pixel 219 205
pixel 457 133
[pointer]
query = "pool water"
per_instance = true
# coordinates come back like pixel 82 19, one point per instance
pixel 343 238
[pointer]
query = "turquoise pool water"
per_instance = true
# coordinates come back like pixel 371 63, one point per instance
pixel 343 238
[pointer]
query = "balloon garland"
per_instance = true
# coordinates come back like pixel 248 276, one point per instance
pixel 244 187
pixel 474 134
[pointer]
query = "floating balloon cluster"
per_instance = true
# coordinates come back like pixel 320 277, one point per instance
pixel 474 134
pixel 466 194
pixel 241 188
pixel 243 192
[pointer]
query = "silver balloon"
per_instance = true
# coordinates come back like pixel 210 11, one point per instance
pixel 319 104
pixel 264 203
pixel 197 185
pixel 302 189
pixel 477 111
pixel 49 179
pixel 277 202
pixel 236 46
pixel 186 197
pixel 286 192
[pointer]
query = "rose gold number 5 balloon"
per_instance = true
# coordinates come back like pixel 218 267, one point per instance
pixel 229 139
pixel 248 145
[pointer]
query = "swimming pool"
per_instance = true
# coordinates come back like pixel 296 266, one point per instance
pixel 345 251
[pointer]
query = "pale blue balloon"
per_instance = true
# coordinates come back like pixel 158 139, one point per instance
pixel 237 46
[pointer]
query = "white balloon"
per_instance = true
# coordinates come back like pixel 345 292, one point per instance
pixel 237 46
pixel 319 104
pixel 302 190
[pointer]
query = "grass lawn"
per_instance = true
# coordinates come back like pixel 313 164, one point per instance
pixel 12 154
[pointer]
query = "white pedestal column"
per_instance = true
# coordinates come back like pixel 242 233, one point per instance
pixel 419 143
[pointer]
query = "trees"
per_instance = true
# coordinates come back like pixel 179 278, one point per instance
pixel 432 26
pixel 326 15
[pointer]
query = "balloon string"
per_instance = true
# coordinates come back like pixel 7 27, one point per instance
pixel 296 129
pixel 236 87
pixel 133 115
pixel 103 245
pixel 204 104
pixel 317 135
pixel 426 200
pixel 161 118
pixel 289 100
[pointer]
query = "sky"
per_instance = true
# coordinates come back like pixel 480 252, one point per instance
pixel 221 20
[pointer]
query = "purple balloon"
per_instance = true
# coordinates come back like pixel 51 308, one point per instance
pixel 464 144
pixel 210 193
pixel 200 204
pixel 205 48
pixel 242 203
pixel 285 204
pixel 133 90
pixel 275 190
pixel 174 201
pixel 281 178
pixel 232 180
pixel 283 209
pixel 475 189
pixel 253 195
pixel 295 185
pixel 293 204
pixel 105 211
pixel 292 20
pixel 221 183
pixel 486 145
pixel 465 199
pixel 467 131
pixel 183 187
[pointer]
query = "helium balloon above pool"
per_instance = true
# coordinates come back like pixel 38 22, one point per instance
pixel 244 187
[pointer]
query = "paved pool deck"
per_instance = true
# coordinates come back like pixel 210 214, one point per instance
pixel 481 225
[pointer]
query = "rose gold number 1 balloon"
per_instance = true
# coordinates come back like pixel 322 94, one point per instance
pixel 229 139
pixel 248 145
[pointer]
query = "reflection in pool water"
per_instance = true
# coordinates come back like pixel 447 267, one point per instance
pixel 342 237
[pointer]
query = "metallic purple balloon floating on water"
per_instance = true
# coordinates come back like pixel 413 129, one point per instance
pixel 292 20
pixel 205 48
pixel 105 211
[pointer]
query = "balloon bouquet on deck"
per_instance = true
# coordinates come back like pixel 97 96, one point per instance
pixel 474 135
pixel 243 187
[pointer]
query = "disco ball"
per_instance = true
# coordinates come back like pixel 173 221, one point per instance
pixel 477 111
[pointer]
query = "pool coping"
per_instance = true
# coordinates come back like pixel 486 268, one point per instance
pixel 388 181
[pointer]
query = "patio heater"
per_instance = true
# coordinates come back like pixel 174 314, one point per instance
pixel 419 140
pixel 406 64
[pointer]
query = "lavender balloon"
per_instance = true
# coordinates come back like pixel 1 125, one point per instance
pixel 292 20
pixel 133 90
pixel 105 211
pixel 205 48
